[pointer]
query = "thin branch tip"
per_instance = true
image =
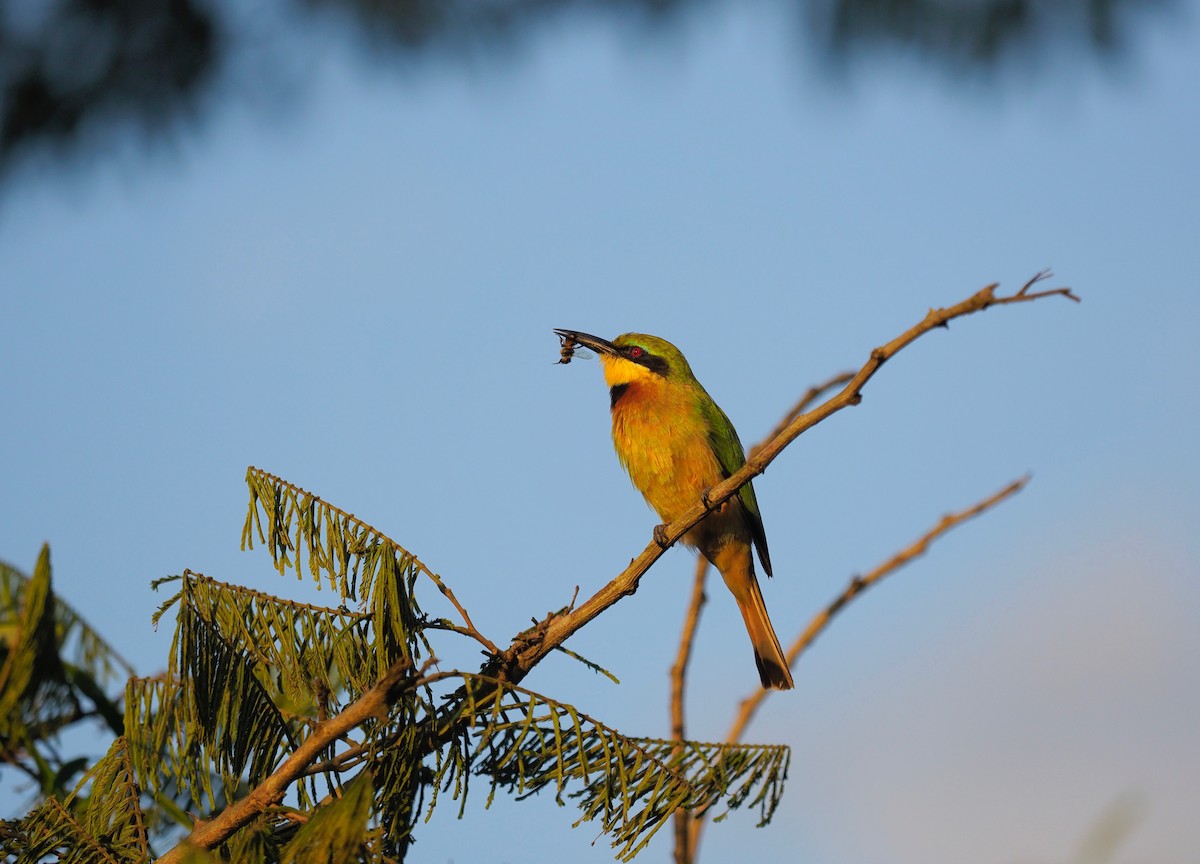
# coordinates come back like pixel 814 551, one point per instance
pixel 1040 276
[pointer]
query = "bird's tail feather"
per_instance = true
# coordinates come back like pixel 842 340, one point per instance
pixel 768 653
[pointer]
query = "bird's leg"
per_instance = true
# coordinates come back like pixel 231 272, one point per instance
pixel 660 536
pixel 704 499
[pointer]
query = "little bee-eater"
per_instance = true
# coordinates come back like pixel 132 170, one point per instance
pixel 676 444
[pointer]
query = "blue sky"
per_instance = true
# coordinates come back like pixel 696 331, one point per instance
pixel 349 278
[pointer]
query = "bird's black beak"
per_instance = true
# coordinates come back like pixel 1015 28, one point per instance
pixel 600 346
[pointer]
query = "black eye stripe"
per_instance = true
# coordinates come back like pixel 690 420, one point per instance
pixel 657 365
pixel 639 355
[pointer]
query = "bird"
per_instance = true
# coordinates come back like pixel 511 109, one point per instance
pixel 676 443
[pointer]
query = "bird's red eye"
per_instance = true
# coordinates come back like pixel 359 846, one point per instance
pixel 635 352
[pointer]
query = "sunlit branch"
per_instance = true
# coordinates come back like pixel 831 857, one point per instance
pixel 683 818
pixel 528 650
pixel 811 395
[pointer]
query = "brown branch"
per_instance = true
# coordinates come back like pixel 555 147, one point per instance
pixel 525 653
pixel 859 584
pixel 470 629
pixel 679 669
pixel 810 396
pixel 683 818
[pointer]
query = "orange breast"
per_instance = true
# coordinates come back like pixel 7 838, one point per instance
pixel 662 441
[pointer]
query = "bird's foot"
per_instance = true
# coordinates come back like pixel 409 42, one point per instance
pixel 704 499
pixel 660 536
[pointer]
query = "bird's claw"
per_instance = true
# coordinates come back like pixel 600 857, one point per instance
pixel 660 536
pixel 704 499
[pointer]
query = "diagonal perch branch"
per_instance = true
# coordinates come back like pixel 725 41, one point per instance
pixel 522 656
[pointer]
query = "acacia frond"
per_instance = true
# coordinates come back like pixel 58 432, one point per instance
pixel 250 676
pixel 525 742
pixel 336 831
pixel 213 713
pixel 752 775
pixel 360 562
pixel 312 652
pixel 33 682
pixel 79 644
pixel 158 746
pixel 595 667
pixel 400 779
pixel 111 810
pixel 50 831
pixel 173 757
pixel 104 825
pixel 225 705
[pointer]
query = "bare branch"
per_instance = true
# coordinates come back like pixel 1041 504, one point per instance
pixel 470 629
pixel 749 706
pixel 683 818
pixel 525 653
pixel 679 669
pixel 810 396
pixel 859 584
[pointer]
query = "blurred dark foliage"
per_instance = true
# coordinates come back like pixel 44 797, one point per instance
pixel 973 35
pixel 73 70
pixel 66 66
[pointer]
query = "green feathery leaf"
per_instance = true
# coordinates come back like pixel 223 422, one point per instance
pixel 595 667
pixel 312 652
pixel 158 746
pixel 400 781
pixel 226 705
pixel 336 831
pixel 525 742
pixel 214 713
pixel 33 683
pixel 360 562
pixel 50 831
pixel 80 645
pixel 103 826
pixel 111 811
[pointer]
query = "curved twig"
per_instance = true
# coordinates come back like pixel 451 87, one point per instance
pixel 749 706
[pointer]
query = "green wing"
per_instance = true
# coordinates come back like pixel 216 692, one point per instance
pixel 728 449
